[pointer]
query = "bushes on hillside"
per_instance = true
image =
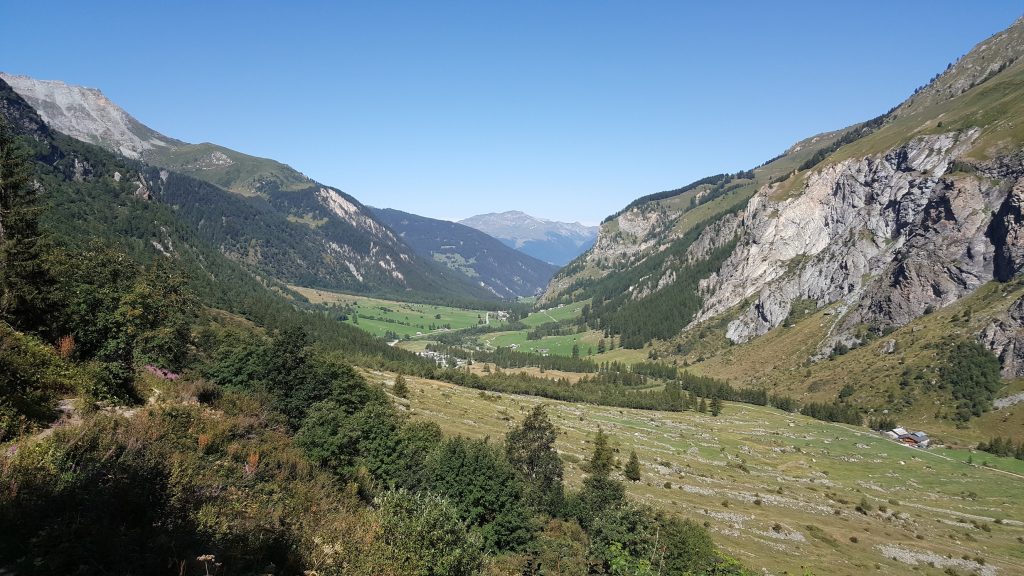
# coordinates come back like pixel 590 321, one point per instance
pixel 972 373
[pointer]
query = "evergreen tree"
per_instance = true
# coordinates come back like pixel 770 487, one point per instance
pixel 716 406
pixel 600 491
pixel 703 406
pixel 602 460
pixel 632 471
pixel 530 448
pixel 401 389
pixel 601 346
pixel 23 279
pixel 575 350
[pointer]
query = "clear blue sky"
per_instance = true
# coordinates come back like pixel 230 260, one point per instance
pixel 566 110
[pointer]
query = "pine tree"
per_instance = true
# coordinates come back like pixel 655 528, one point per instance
pixel 716 405
pixel 401 389
pixel 632 471
pixel 575 350
pixel 601 346
pixel 602 460
pixel 23 278
pixel 600 491
pixel 703 407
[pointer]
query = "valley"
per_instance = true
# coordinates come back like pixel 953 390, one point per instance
pixel 212 363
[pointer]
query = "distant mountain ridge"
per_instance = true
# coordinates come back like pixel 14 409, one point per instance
pixel 547 240
pixel 269 217
pixel 506 272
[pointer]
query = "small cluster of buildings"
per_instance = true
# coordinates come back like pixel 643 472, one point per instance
pixel 443 360
pixel 912 439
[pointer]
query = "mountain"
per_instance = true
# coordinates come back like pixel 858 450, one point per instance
pixel 846 238
pixel 507 272
pixel 257 211
pixel 547 240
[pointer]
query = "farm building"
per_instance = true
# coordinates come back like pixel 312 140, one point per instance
pixel 914 439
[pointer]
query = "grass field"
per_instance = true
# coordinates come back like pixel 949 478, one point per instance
pixel 378 316
pixel 779 491
pixel 565 312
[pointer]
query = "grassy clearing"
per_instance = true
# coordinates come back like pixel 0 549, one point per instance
pixel 378 316
pixel 554 345
pixel 778 490
pixel 556 314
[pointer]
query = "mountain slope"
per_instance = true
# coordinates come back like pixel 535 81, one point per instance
pixel 547 240
pixel 96 200
pixel 259 212
pixel 505 271
pixel 860 232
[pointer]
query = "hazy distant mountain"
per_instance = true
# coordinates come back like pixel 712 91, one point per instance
pixel 547 240
pixel 485 260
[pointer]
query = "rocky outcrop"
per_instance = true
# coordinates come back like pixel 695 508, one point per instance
pixel 887 236
pixel 88 115
pixel 1004 336
pixel 1007 232
pixel 715 236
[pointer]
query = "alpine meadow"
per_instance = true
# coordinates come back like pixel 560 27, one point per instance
pixel 214 364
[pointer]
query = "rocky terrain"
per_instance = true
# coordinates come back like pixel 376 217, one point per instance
pixel 86 114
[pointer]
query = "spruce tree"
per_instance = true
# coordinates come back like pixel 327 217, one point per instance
pixel 23 279
pixel 716 405
pixel 632 471
pixel 401 389
pixel 600 491
pixel 703 407
pixel 602 460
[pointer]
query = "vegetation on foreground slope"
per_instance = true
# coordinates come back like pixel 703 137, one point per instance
pixel 780 491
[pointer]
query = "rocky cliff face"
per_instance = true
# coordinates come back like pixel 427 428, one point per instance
pixel 88 115
pixel 1005 337
pixel 887 236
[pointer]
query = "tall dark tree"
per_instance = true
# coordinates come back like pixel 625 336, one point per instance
pixel 23 279
pixel 716 405
pixel 401 389
pixel 600 491
pixel 632 470
pixel 530 448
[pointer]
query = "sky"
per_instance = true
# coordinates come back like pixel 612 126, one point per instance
pixel 566 110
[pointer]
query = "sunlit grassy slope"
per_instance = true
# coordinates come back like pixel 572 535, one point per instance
pixel 378 316
pixel 780 362
pixel 780 491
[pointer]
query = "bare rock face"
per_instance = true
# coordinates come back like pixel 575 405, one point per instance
pixel 1005 338
pixel 715 236
pixel 88 115
pixel 1007 232
pixel 888 237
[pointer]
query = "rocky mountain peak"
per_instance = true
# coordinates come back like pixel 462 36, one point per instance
pixel 88 115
